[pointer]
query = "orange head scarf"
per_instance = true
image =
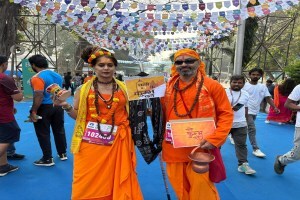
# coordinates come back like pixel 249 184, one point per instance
pixel 188 52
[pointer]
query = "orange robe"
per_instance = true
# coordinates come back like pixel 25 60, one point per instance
pixel 107 172
pixel 212 102
pixel 86 79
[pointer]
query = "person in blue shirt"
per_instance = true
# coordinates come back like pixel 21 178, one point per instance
pixel 43 114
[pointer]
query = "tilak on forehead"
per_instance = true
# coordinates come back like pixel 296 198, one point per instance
pixel 191 53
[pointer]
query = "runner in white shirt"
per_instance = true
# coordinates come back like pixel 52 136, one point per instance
pixel 257 92
pixel 294 154
pixel 239 102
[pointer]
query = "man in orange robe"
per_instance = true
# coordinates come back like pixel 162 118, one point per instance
pixel 190 94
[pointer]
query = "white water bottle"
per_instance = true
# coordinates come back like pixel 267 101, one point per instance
pixel 29 120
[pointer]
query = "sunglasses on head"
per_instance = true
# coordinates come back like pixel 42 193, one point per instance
pixel 187 61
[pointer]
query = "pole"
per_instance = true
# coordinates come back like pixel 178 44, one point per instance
pixel 238 58
pixel 164 177
pixel 141 66
pixel 210 70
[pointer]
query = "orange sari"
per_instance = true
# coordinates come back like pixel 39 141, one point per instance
pixel 107 172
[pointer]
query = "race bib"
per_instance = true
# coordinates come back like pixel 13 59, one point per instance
pixel 168 135
pixel 92 135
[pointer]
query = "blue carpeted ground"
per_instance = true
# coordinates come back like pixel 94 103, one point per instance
pixel 54 183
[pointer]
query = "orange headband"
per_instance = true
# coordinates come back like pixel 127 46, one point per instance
pixel 188 52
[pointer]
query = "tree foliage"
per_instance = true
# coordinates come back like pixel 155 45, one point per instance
pixel 293 71
pixel 251 27
pixel 8 31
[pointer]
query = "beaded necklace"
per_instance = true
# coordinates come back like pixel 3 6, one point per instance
pixel 110 100
pixel 186 87
pixel 111 112
pixel 176 87
pixel 106 83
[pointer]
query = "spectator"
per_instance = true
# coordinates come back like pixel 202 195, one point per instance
pixel 293 155
pixel 119 77
pixel 264 105
pixel 42 106
pixel 270 86
pixel 257 92
pixel 63 77
pixel 239 102
pixel 281 93
pixel 11 153
pixel 77 82
pixel 89 77
pixel 67 80
pixel 83 76
pixel 9 128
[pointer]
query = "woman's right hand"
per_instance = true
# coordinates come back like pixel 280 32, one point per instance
pixel 57 102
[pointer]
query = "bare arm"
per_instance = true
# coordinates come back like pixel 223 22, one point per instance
pixel 11 88
pixel 73 112
pixel 70 110
pixel 271 102
pixel 37 101
pixel 17 97
pixel 290 104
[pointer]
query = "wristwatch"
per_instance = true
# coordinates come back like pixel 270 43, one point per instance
pixel 68 109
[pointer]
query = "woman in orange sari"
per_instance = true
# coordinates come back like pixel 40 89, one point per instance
pixel 281 93
pixel 104 153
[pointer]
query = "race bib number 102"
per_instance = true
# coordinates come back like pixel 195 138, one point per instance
pixel 92 135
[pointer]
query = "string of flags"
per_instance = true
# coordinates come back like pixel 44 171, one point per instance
pixel 112 24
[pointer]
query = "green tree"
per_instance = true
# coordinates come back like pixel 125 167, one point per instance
pixel 293 71
pixel 251 27
pixel 8 33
